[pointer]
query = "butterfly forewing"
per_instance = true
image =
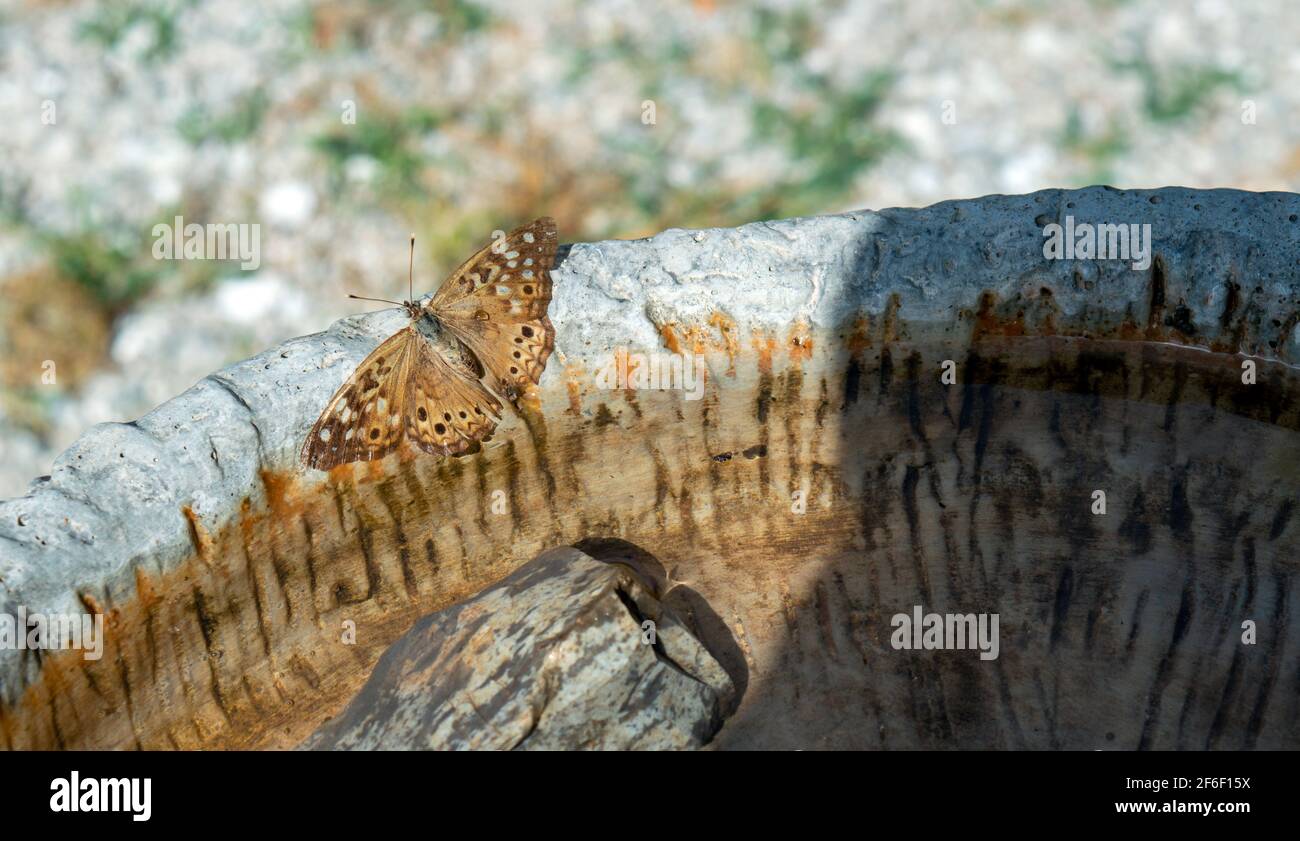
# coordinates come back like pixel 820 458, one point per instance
pixel 496 304
pixel 364 419
pixel 521 258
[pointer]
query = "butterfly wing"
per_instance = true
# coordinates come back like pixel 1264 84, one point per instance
pixel 364 419
pixel 448 411
pixel 496 304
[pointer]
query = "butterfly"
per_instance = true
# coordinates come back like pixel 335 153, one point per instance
pixel 482 338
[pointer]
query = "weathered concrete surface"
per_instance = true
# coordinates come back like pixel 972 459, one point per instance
pixel 552 658
pixel 226 573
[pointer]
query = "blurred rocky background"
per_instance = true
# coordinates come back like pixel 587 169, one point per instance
pixel 340 127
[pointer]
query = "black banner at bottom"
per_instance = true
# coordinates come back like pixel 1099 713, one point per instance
pixel 359 791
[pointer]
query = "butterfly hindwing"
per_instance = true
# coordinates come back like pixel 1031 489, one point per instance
pixel 448 411
pixel 514 354
pixel 496 303
pixel 363 420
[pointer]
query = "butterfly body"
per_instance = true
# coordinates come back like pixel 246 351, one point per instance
pixel 426 383
pixel 444 342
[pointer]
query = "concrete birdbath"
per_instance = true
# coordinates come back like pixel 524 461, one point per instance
pixel 902 412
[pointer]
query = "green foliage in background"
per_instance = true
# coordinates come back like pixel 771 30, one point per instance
pixel 240 122
pixel 1177 92
pixel 114 273
pixel 110 21
pixel 390 140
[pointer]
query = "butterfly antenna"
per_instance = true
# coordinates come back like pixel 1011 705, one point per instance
pixel 410 272
pixel 381 300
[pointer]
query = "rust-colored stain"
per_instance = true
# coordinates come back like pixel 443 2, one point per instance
pixel 199 535
pixel 145 593
pixel 701 340
pixel 730 341
pixel 530 399
pixel 889 321
pixel 765 346
pixel 628 362
pixel 282 494
pixel 341 474
pixel 91 603
pixel 859 338
pixel 669 334
pixel 800 343
pixel 376 470
pixel 573 388
pixel 989 323
pixel 698 339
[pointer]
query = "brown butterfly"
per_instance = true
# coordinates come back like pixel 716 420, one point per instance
pixel 426 381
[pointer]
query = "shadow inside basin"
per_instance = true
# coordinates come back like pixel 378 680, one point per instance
pixel 1121 629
